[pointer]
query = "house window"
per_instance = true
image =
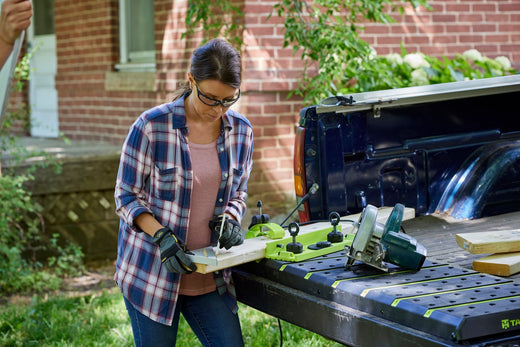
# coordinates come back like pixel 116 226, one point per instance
pixel 43 17
pixel 136 35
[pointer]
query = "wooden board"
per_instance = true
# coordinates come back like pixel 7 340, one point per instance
pixel 254 249
pixel 499 241
pixel 505 264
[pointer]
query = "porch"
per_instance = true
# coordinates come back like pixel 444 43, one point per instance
pixel 78 202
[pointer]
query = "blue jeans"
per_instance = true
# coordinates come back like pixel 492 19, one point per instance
pixel 209 317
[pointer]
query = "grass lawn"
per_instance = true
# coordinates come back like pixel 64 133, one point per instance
pixel 100 319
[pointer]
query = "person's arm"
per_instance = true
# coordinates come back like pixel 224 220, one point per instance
pixel 134 170
pixel 237 201
pixel 231 234
pixel 147 223
pixel 133 208
pixel 15 17
pixel 173 251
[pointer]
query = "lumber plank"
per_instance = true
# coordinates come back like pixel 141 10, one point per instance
pixel 503 264
pixel 254 248
pixel 485 242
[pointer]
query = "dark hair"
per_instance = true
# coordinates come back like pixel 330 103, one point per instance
pixel 216 60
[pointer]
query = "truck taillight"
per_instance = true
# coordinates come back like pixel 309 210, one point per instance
pixel 300 186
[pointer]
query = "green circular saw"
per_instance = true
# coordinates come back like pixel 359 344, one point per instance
pixel 376 244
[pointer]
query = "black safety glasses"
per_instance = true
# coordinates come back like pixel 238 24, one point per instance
pixel 207 100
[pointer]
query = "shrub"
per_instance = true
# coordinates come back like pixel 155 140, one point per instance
pixel 416 69
pixel 30 260
pixel 23 241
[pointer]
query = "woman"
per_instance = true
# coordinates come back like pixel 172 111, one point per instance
pixel 184 165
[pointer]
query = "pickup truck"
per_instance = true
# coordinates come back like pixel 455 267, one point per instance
pixel 449 148
pixel 452 153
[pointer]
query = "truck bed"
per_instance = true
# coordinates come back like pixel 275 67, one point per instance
pixel 446 303
pixel 437 234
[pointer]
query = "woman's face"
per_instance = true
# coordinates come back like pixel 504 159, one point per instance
pixel 211 98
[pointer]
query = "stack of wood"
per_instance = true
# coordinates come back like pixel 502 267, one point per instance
pixel 504 246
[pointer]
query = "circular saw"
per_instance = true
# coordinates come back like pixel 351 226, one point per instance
pixel 376 244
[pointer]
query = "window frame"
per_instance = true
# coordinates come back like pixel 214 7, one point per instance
pixel 138 61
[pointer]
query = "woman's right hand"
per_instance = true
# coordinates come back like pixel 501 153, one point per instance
pixel 173 252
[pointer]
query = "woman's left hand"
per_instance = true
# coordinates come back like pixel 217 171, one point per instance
pixel 231 234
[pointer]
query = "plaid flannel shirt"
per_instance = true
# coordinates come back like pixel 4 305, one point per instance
pixel 155 176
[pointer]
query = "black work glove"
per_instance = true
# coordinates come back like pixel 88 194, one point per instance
pixel 173 252
pixel 231 234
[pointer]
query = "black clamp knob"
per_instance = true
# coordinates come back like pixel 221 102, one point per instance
pixel 334 236
pixel 294 246
pixel 260 218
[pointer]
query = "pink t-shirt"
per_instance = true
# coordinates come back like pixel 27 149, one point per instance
pixel 206 181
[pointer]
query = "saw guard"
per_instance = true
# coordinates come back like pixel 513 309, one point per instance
pixel 367 246
pixel 365 226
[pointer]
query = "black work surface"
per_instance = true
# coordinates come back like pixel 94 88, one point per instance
pixel 444 303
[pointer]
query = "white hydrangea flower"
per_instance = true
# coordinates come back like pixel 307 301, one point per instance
pixel 494 65
pixel 504 61
pixel 357 60
pixel 416 60
pixel 472 54
pixel 419 78
pixel 394 58
pixel 372 54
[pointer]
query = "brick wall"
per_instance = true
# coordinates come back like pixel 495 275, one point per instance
pixel 88 49
pixel 492 27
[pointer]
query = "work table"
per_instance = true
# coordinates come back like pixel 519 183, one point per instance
pixel 445 303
